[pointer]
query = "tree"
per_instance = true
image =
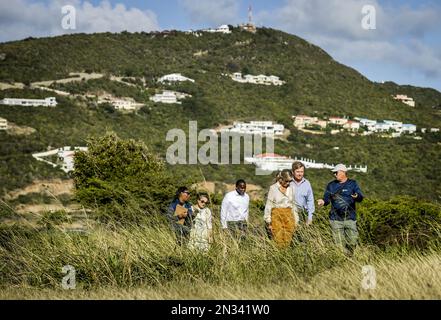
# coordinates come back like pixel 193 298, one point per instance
pixel 123 179
pixel 247 70
pixel 232 67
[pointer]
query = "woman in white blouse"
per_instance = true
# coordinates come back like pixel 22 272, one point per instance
pixel 201 233
pixel 281 214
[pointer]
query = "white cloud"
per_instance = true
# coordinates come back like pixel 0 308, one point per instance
pixel 212 12
pixel 415 55
pixel 336 26
pixel 22 18
pixel 343 19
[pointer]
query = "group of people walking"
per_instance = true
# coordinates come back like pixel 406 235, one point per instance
pixel 289 205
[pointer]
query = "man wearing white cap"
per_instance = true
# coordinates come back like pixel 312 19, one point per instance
pixel 342 194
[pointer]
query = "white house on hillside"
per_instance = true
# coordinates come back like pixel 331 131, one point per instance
pixel 222 29
pixel 395 125
pixel 174 77
pixel 169 97
pixel 409 128
pixel 370 124
pixel 275 162
pixel 352 125
pixel 301 121
pixel 264 128
pixel 382 127
pixel 127 104
pixel 260 79
pixel 405 99
pixel 47 102
pixel 65 156
pixel 338 121
pixel 3 124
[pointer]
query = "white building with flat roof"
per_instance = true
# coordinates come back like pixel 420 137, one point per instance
pixel 352 125
pixel 169 97
pixel 222 29
pixel 409 128
pixel 275 162
pixel 264 128
pixel 3 124
pixel 237 76
pixel 126 104
pixel 405 99
pixel 302 121
pixel 174 77
pixel 338 121
pixel 65 157
pixel 259 79
pixel 382 127
pixel 47 102
pixel 395 125
pixel 370 124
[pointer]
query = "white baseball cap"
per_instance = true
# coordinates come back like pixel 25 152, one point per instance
pixel 340 167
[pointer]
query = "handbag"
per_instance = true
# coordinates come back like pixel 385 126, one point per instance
pixel 179 211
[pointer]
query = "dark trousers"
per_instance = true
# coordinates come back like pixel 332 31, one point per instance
pixel 238 229
pixel 182 234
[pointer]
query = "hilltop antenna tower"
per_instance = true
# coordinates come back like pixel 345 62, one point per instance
pixel 250 15
pixel 250 27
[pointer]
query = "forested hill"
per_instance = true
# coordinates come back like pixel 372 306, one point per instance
pixel 316 84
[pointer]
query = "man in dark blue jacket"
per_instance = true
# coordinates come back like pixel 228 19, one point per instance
pixel 342 194
pixel 180 215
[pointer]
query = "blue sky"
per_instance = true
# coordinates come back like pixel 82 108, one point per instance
pixel 405 47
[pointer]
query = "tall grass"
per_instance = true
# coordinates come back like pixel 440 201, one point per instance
pixel 142 260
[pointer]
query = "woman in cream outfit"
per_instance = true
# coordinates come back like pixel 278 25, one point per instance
pixel 201 233
pixel 281 214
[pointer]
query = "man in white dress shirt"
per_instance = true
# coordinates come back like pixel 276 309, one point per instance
pixel 234 211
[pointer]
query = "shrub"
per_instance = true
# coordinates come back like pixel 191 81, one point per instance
pixel 123 178
pixel 50 219
pixel 404 220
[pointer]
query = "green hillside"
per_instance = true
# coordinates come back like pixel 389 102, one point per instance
pixel 315 85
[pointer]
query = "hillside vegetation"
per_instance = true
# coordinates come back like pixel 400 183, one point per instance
pixel 127 249
pixel 316 84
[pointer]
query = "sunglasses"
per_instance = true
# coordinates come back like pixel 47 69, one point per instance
pixel 202 201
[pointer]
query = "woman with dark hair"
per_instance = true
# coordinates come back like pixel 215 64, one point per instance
pixel 281 215
pixel 201 233
pixel 180 214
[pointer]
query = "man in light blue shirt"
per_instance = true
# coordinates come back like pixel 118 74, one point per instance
pixel 303 192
